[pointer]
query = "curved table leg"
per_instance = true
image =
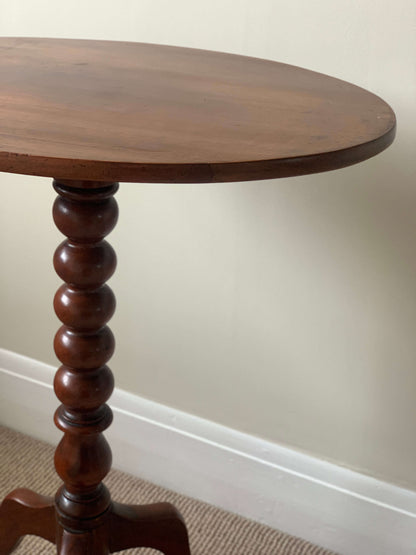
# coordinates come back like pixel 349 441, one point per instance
pixel 159 526
pixel 25 512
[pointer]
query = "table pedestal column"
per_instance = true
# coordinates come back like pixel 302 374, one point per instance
pixel 82 519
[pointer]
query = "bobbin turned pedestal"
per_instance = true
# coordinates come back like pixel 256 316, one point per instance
pixel 82 519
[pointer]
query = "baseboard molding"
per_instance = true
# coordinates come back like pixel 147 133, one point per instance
pixel 342 510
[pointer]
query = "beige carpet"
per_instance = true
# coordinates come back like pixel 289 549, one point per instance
pixel 25 462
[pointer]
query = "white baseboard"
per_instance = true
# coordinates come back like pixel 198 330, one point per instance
pixel 331 506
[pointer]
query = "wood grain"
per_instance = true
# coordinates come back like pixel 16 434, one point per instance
pixel 118 111
pixel 84 344
pixel 88 521
pixel 25 512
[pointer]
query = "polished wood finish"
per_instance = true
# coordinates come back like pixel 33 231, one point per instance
pixel 84 345
pixel 25 512
pixel 83 520
pixel 118 111
pixel 88 521
pixel 158 526
pixel 92 113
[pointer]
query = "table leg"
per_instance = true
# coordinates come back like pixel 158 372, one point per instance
pixel 25 512
pixel 84 344
pixel 87 520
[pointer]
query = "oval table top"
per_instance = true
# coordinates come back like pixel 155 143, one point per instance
pixel 119 111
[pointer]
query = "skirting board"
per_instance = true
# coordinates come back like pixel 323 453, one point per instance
pixel 331 506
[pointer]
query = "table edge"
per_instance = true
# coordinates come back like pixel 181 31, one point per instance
pixel 110 171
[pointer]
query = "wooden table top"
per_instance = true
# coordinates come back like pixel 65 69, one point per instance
pixel 119 111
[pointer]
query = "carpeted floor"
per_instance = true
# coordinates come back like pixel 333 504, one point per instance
pixel 25 462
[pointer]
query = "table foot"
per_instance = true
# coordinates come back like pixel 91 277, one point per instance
pixel 25 512
pixel 159 526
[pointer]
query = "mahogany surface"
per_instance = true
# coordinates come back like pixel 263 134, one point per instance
pixel 25 512
pixel 92 113
pixel 118 111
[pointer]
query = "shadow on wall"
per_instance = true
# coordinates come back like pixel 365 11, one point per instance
pixel 328 278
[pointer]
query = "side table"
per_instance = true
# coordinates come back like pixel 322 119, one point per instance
pixel 91 114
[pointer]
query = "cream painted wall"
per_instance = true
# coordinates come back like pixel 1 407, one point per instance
pixel 286 309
